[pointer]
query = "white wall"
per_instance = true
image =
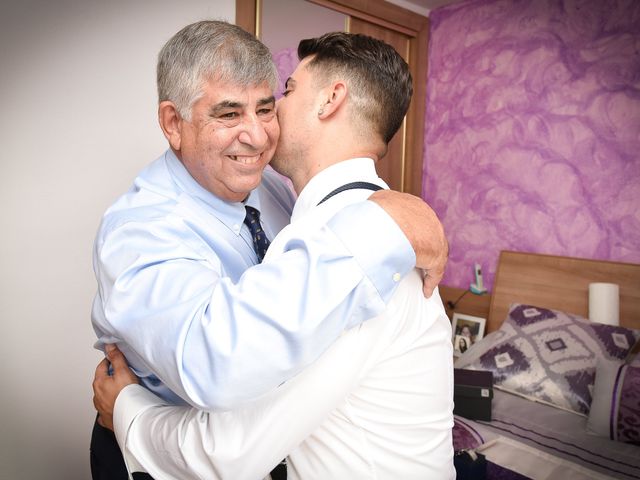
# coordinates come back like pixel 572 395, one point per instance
pixel 77 121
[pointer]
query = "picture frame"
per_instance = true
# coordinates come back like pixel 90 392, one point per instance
pixel 466 330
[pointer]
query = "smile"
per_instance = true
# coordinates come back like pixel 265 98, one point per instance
pixel 246 160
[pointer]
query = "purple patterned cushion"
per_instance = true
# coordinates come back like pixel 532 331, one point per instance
pixel 615 410
pixel 548 355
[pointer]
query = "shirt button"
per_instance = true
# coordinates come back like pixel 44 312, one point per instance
pixel 236 227
pixel 396 277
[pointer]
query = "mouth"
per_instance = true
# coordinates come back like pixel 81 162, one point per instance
pixel 246 159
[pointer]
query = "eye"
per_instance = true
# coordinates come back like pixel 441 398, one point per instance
pixel 266 113
pixel 229 115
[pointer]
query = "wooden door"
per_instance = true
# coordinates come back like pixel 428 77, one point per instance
pixel 392 166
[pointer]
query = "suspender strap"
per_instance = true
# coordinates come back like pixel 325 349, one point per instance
pixel 351 186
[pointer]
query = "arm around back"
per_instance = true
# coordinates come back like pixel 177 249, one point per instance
pixel 174 442
pixel 218 343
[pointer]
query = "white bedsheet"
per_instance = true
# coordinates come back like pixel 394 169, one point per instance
pixel 555 432
pixel 534 463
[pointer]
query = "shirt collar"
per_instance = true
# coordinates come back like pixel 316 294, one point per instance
pixel 347 171
pixel 229 213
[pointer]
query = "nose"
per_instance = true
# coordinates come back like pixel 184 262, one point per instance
pixel 253 132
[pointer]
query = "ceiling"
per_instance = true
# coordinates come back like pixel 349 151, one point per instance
pixel 422 7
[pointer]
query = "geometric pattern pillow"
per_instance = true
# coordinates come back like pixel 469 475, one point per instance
pixel 615 410
pixel 548 355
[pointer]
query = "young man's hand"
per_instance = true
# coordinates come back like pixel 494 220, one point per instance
pixel 106 387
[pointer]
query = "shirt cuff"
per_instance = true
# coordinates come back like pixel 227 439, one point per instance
pixel 131 402
pixel 369 233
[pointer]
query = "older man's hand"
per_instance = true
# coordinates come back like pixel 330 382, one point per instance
pixel 423 229
pixel 106 386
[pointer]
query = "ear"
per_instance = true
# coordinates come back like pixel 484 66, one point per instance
pixel 170 123
pixel 335 98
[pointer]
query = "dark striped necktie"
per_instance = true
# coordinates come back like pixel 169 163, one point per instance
pixel 260 240
pixel 260 245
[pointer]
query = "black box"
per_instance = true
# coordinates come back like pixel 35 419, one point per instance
pixel 472 393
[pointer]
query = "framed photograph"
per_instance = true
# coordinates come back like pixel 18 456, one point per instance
pixel 467 330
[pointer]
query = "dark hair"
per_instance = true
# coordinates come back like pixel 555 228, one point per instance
pixel 379 78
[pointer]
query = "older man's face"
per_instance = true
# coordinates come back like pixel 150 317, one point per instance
pixel 230 138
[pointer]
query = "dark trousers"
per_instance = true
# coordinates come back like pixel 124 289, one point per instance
pixel 280 472
pixel 106 459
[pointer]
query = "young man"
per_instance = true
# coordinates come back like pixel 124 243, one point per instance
pixel 378 404
pixel 177 289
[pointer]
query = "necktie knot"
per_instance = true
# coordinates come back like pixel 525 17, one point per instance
pixel 260 240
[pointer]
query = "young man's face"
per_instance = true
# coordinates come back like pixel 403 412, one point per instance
pixel 231 137
pixel 297 110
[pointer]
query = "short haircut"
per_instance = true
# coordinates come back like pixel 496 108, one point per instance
pixel 209 50
pixel 379 78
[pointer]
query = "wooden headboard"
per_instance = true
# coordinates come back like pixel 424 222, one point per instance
pixel 560 283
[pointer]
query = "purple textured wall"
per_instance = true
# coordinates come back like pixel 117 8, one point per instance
pixel 286 61
pixel 532 137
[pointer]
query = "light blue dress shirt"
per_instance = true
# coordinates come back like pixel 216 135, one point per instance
pixel 176 294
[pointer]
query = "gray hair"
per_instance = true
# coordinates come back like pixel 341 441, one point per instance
pixel 209 50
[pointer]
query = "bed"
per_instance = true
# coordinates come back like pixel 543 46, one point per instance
pixel 566 391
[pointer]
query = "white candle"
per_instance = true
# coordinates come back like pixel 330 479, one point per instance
pixel 604 303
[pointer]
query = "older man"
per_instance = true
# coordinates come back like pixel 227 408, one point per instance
pixel 378 403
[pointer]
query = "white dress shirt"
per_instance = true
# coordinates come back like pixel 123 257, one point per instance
pixel 377 405
pixel 176 294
